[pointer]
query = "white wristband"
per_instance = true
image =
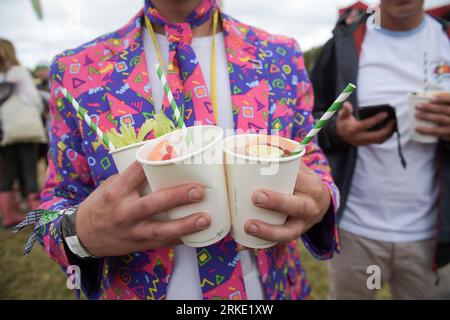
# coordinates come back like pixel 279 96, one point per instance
pixel 75 246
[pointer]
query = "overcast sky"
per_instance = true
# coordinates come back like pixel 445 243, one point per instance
pixel 69 23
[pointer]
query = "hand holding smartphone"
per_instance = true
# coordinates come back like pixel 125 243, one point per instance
pixel 370 111
pixel 363 132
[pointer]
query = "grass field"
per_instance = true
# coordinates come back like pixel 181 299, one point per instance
pixel 32 277
pixel 38 277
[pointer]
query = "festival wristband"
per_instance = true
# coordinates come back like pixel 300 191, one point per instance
pixel 69 231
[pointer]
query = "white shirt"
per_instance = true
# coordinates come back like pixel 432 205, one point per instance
pixel 184 282
pixel 25 87
pixel 387 202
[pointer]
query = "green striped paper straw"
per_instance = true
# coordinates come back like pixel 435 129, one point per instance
pixel 87 119
pixel 336 106
pixel 176 112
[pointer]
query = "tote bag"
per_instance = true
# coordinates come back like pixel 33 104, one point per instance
pixel 21 122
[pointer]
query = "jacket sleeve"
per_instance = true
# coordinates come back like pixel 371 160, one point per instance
pixel 322 238
pixel 68 182
pixel 323 79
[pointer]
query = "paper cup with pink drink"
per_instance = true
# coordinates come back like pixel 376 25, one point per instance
pixel 257 161
pixel 168 162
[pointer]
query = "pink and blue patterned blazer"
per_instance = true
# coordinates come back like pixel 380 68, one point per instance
pixel 108 76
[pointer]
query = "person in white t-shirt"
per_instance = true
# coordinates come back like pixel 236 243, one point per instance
pixel 389 217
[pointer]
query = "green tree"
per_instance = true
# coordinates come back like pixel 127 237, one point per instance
pixel 311 56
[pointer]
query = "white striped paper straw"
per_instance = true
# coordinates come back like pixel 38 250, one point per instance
pixel 176 112
pixel 336 106
pixel 87 119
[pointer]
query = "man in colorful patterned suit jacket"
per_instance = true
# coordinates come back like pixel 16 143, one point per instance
pixel 267 89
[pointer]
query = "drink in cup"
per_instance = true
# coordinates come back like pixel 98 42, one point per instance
pixel 414 100
pixel 168 161
pixel 255 161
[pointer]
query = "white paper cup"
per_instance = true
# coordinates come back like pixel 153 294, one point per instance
pixel 414 100
pixel 246 174
pixel 123 158
pixel 203 165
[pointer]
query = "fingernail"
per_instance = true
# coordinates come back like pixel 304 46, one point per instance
pixel 261 198
pixel 194 194
pixel 419 106
pixel 253 228
pixel 202 223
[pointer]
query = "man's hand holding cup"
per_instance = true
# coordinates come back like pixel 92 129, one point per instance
pixel 114 220
pixel 437 111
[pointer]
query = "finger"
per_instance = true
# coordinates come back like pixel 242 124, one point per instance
pixel 378 136
pixel 304 169
pixel 294 205
pixel 176 242
pixel 346 111
pixel 441 98
pixel 439 119
pixel 434 108
pixel 132 177
pixel 163 200
pixel 287 232
pixel 368 123
pixel 109 180
pixel 435 131
pixel 307 180
pixel 173 229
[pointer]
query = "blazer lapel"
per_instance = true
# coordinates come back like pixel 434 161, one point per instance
pixel 249 87
pixel 128 91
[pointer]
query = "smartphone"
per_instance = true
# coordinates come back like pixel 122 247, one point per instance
pixel 370 111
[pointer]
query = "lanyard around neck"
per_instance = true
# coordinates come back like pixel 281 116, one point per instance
pixel 213 57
